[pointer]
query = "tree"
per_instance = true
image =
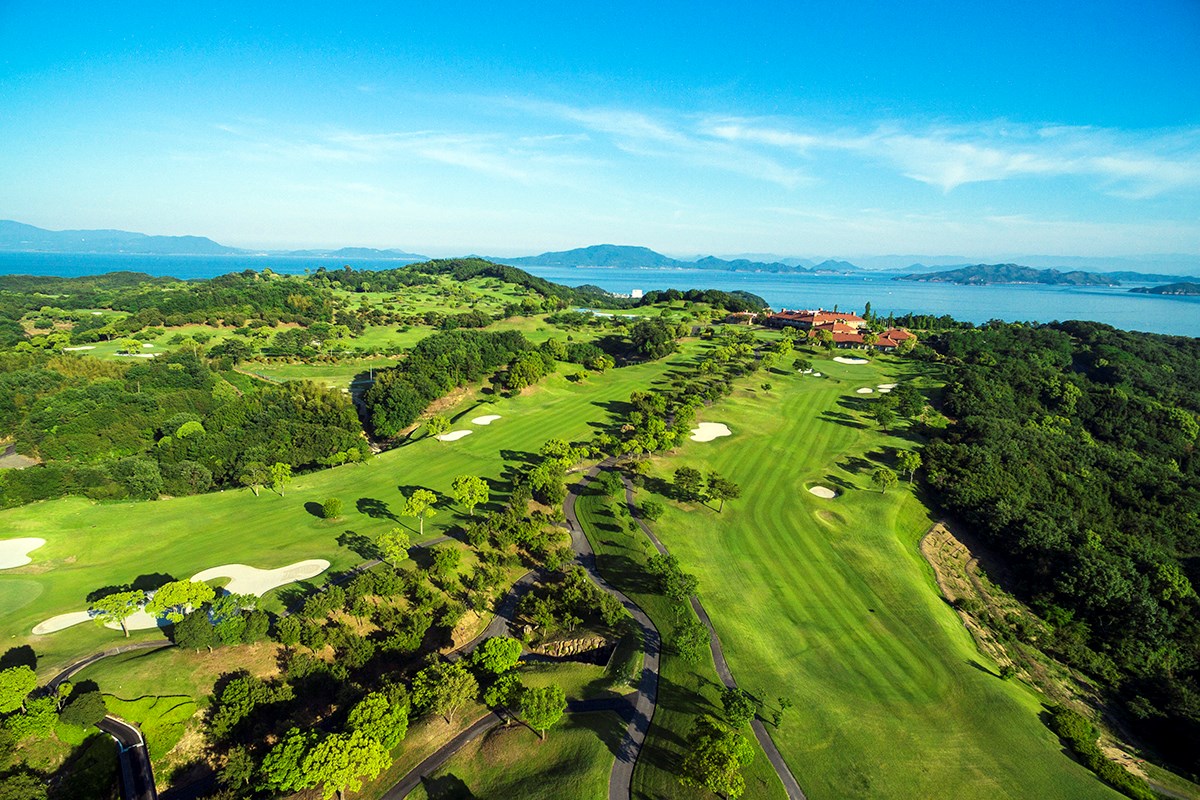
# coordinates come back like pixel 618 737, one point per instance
pixel 172 600
pixel 689 483
pixel 332 508
pixel 118 607
pixel 280 474
pixel 715 755
pixel 437 425
pixel 910 462
pixel 652 509
pixel 722 489
pixel 884 478
pixel 802 364
pixel 238 769
pixel 196 632
pixel 15 685
pixel 497 655
pixel 691 639
pixel 420 505
pixel 283 768
pixel 340 762
pixel 393 545
pixel 443 688
pixel 543 707
pixel 22 785
pixel 254 475
pixel 740 707
pixel 445 561
pixel 470 491
pixel 378 717
pixel 84 709
pixel 884 415
pixel 505 692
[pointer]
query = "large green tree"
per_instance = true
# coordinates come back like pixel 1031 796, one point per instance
pixel 118 607
pixel 443 688
pixel 15 685
pixel 714 756
pixel 341 761
pixel 542 707
pixel 497 655
pixel 470 491
pixel 379 717
pixel 420 505
pixel 172 600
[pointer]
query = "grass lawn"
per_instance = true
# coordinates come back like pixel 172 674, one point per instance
pixel 162 720
pixel 90 545
pixel 578 681
pixel 684 690
pixel 829 603
pixel 574 761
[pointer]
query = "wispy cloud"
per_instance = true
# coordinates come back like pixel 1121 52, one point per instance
pixel 1132 164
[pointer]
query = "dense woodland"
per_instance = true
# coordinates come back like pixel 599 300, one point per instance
pixel 1074 454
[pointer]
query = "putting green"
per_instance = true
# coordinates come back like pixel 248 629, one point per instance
pixel 829 604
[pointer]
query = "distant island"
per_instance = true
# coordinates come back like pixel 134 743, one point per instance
pixel 1182 288
pixel 631 257
pixel 989 274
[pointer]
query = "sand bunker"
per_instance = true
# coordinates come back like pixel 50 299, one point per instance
pixel 816 374
pixel 249 580
pixel 243 580
pixel 887 385
pixel 847 360
pixel 707 431
pixel 806 372
pixel 15 552
pixel 453 436
pixel 823 492
pixel 884 391
pixel 137 355
pixel 486 419
pixel 147 345
pixel 81 347
pixel 141 621
pixel 864 390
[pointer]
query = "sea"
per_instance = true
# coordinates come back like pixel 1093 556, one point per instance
pixel 1112 305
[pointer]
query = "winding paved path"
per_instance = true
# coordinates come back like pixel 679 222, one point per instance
pixel 790 785
pixel 637 708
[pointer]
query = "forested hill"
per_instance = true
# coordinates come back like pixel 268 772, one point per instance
pixel 1074 454
pixel 612 255
pixel 985 274
pixel 1182 288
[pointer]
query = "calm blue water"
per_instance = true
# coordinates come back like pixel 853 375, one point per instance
pixel 1112 305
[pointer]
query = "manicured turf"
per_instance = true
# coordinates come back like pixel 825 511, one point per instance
pixel 828 603
pixel 162 720
pixel 684 690
pixel 574 761
pixel 90 545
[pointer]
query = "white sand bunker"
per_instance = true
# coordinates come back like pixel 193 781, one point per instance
pixel 848 360
pixel 243 580
pixel 141 621
pixel 250 580
pixel 147 345
pixel 707 431
pixel 15 552
pixel 137 355
pixel 486 419
pixel 816 374
pixel 884 391
pixel 823 492
pixel 453 436
pixel 806 372
pixel 887 386
pixel 864 390
pixel 81 347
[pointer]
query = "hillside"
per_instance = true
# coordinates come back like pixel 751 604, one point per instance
pixel 17 236
pixel 1182 288
pixel 628 256
pixel 988 274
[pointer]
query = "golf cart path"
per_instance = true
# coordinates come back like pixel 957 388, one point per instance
pixel 790 784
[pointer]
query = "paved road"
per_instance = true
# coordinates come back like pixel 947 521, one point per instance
pixel 620 781
pixel 637 708
pixel 137 779
pixel 790 785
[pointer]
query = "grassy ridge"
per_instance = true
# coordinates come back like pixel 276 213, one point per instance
pixel 574 761
pixel 829 603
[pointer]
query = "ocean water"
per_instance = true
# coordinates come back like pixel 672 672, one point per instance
pixel 1114 306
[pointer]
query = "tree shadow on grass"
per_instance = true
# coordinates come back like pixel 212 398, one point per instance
pixel 20 656
pixel 373 508
pixel 359 544
pixel 841 418
pixel 446 787
pixel 315 508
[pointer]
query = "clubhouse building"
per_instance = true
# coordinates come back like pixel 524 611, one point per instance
pixel 847 330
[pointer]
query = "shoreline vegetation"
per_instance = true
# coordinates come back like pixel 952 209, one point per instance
pixel 283 418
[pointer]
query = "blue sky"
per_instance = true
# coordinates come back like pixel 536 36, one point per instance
pixel 799 129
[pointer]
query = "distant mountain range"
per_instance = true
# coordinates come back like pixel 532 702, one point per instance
pixel 630 257
pixel 19 237
pixel 986 274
